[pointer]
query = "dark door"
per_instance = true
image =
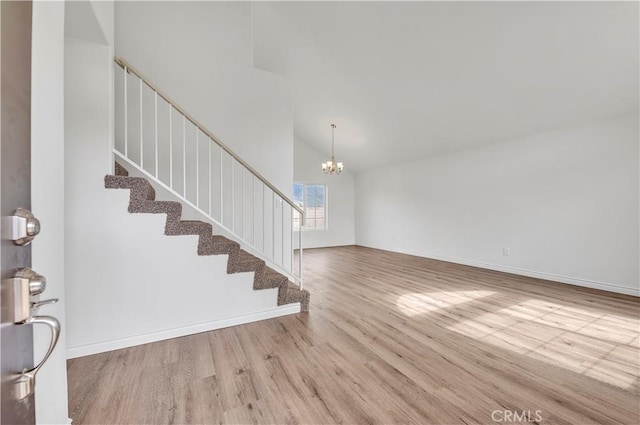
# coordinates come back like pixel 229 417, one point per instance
pixel 16 341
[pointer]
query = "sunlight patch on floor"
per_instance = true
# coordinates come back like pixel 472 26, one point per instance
pixel 605 348
pixel 419 303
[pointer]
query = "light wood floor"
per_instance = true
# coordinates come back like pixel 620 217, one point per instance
pixel 390 338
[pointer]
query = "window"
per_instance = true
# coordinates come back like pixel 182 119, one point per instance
pixel 312 198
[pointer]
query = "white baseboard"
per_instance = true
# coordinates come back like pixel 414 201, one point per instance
pixel 523 272
pixel 320 245
pixel 116 344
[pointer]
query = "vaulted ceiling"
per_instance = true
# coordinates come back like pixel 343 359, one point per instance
pixel 404 80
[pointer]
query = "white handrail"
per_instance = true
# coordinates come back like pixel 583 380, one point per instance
pixel 126 66
pixel 277 199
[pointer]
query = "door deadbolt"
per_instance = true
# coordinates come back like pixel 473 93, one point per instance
pixel 21 227
pixel 24 284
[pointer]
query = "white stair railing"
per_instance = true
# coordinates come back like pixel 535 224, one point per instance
pixel 167 145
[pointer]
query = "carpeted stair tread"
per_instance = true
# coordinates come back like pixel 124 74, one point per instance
pixel 141 190
pixel 293 294
pixel 142 200
pixel 164 207
pixel 216 245
pixel 191 227
pixel 241 261
pixel 269 279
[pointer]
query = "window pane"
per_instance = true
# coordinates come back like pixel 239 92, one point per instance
pixel 298 199
pixel 321 207
pixel 311 202
pixel 312 198
pixel 296 221
pixel 316 205
pixel 297 194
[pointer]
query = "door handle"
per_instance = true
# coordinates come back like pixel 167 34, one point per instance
pixel 36 305
pixel 26 381
pixel 24 284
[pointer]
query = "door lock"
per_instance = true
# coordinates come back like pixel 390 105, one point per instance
pixel 21 227
pixel 24 284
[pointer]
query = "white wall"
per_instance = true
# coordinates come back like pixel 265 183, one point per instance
pixel 88 122
pixel 128 283
pixel 341 198
pixel 565 203
pixel 137 285
pixel 201 55
pixel 47 198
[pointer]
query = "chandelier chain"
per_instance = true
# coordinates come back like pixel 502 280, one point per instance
pixel 332 167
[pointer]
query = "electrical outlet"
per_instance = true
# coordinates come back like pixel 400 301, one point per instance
pixel 505 251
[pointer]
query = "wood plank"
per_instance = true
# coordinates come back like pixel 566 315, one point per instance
pixel 390 338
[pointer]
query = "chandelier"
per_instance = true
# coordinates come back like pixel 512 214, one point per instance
pixel 332 167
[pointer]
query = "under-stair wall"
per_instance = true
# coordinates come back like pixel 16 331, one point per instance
pixel 146 286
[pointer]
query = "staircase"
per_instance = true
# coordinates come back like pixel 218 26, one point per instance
pixel 257 226
pixel 142 201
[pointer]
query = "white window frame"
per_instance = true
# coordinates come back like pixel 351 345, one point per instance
pixel 305 228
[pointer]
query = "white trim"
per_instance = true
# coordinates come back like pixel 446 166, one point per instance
pixel 576 281
pixel 328 245
pixel 304 202
pixel 116 344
